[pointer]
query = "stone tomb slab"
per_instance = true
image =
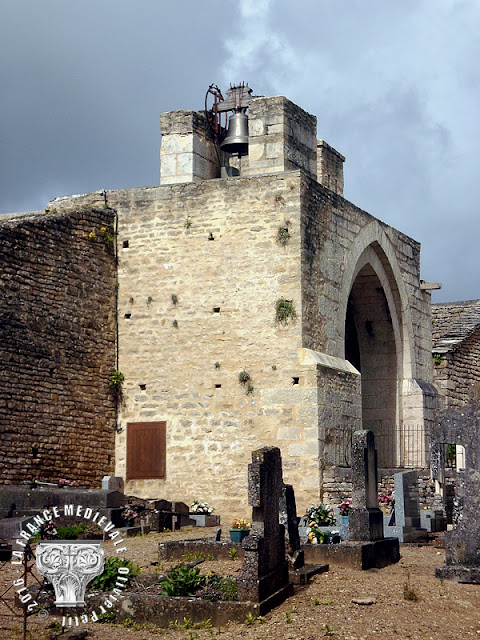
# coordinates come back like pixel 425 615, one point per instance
pixel 375 554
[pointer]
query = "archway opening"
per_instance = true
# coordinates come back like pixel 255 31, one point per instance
pixel 370 346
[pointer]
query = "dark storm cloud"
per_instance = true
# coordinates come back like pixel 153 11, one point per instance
pixel 83 84
pixel 395 88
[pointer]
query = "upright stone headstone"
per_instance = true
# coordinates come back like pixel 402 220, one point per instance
pixel 404 521
pixel 113 483
pixel 365 518
pixel 265 568
pixel 289 519
pixel 462 544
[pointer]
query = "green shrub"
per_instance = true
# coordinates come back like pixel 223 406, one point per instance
pixel 182 581
pixel 218 588
pixel 71 532
pixel 109 617
pixel 233 554
pixel 106 580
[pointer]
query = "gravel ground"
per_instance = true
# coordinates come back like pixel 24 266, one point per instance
pixel 324 608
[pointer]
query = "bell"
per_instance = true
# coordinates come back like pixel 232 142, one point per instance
pixel 236 140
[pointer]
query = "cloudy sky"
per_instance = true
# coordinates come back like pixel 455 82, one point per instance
pixel 395 87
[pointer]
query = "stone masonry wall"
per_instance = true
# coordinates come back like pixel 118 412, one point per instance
pixel 57 347
pixel 200 271
pixel 330 230
pixel 458 372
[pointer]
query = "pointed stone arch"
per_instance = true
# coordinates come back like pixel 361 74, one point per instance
pixel 373 246
pixel 375 327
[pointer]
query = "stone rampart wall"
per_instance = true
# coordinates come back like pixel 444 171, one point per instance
pixel 57 347
pixel 458 373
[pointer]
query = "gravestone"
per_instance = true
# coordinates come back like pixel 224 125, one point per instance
pixel 172 515
pixel 113 483
pixel 366 547
pixel 288 518
pixel 365 518
pixel 462 544
pixel 404 521
pixel 264 577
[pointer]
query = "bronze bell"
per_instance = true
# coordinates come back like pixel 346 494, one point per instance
pixel 236 140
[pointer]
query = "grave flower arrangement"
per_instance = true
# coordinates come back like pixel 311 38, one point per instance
pixel 65 482
pixel 321 515
pixel 201 507
pixel 239 530
pixel 386 499
pixel 315 534
pixel 129 514
pixel 345 507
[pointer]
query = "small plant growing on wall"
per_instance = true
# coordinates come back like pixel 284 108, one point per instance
pixel 285 311
pixel 188 222
pixel 174 299
pixel 106 233
pixel 244 377
pixel 283 235
pixel 115 384
pixel 116 379
pixel 437 358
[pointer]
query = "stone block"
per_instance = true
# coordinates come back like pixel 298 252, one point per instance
pixel 113 483
pixel 256 127
pixel 290 433
pixel 274 149
pixel 355 555
pixel 256 151
pixel 169 166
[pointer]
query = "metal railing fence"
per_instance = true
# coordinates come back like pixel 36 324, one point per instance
pixel 406 446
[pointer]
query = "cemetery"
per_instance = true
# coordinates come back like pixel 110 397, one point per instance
pixel 271 567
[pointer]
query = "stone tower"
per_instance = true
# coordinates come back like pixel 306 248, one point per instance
pixel 262 310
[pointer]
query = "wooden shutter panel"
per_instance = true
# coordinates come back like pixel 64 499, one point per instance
pixel 146 450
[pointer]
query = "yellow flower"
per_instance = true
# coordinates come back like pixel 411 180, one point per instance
pixel 92 235
pixel 312 524
pixel 103 229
